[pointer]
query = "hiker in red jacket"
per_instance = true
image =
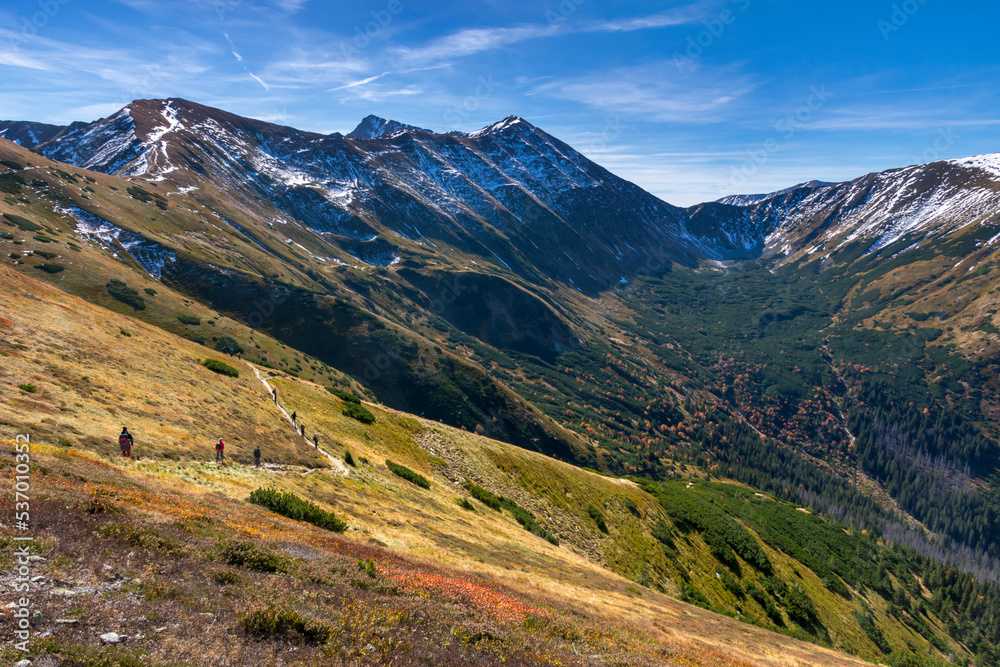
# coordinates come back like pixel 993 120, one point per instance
pixel 219 446
pixel 125 442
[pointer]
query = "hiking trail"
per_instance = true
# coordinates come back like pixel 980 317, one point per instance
pixel 337 463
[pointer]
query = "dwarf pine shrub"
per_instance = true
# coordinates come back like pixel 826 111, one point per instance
pixel 294 507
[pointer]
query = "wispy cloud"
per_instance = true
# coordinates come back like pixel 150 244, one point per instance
pixel 291 6
pixel 116 65
pixel 477 40
pixel 474 40
pixel 670 17
pixel 259 80
pixel 361 82
pixel 233 47
pixel 647 91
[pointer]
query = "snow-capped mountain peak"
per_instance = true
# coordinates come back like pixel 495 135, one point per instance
pixel 373 127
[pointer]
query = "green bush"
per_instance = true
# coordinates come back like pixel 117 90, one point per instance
pixel 905 659
pixel 664 535
pixel 29 388
pixel 220 367
pixel 484 496
pixel 46 255
pixel 7 236
pixel 632 508
pixel 22 223
pixel 50 267
pixel 764 600
pixel 127 295
pixel 252 557
pixel 368 567
pixel 228 578
pixel 277 621
pixel 598 518
pixel 521 515
pixel 140 194
pixel 224 343
pixel 528 521
pixel 867 623
pixel 348 459
pixel 409 475
pixel 293 507
pixel 730 583
pixel 359 412
pixel 11 184
pixel 345 396
pixel 11 165
pixel 465 504
pixel 42 238
pixel 188 319
pixel 150 291
pixel 800 608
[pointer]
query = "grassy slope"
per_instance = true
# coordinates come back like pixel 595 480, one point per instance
pixel 189 225
pixel 173 508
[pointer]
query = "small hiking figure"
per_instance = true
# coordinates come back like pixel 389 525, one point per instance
pixel 316 440
pixel 125 442
pixel 303 430
pixel 256 456
pixel 219 446
pixel 294 414
pixel 275 392
pixel 239 355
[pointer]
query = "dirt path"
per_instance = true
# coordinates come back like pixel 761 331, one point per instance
pixel 337 463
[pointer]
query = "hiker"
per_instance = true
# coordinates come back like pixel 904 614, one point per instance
pixel 125 442
pixel 303 430
pixel 239 355
pixel 316 440
pixel 275 392
pixel 294 414
pixel 219 446
pixel 256 456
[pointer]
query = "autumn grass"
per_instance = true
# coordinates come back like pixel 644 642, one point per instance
pixel 450 586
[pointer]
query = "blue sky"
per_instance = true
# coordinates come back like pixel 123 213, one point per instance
pixel 691 100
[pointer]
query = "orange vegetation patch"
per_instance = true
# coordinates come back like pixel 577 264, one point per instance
pixel 130 498
pixel 501 607
pixel 4 322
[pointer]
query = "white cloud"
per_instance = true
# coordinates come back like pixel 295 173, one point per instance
pixel 670 17
pixel 655 93
pixel 361 82
pixel 233 47
pixel 259 80
pixel 291 6
pixel 476 40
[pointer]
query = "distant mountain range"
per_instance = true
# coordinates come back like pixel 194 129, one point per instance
pixel 509 193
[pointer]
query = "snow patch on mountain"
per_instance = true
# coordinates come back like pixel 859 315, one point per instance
pixel 989 163
pixel 373 127
pixel 155 159
pixel 151 256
